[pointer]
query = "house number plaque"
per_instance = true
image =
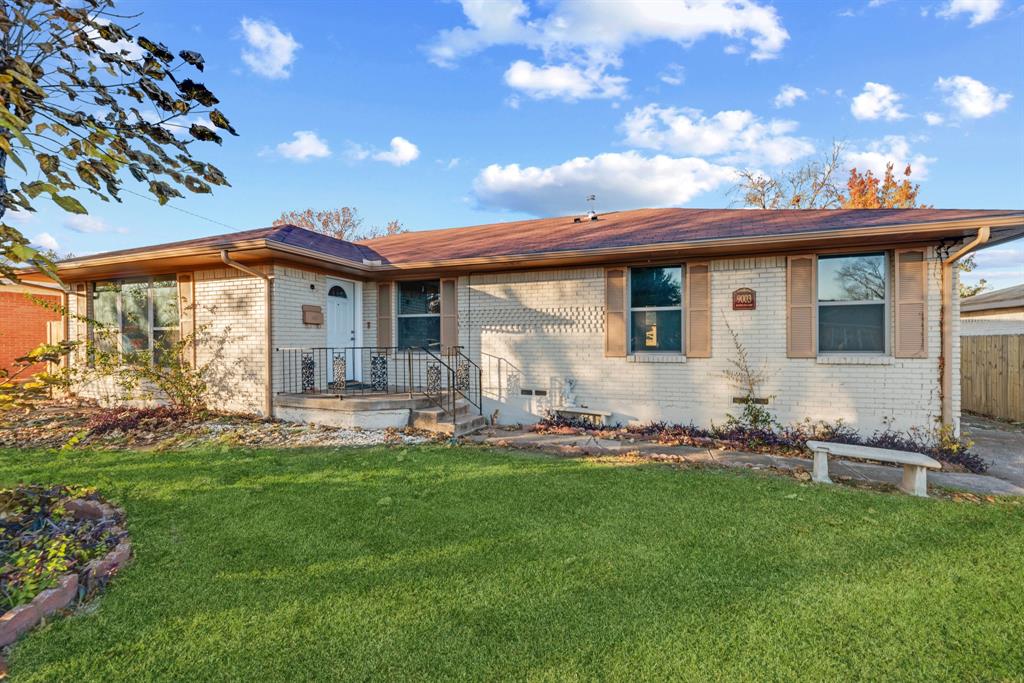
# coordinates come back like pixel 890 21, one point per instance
pixel 744 299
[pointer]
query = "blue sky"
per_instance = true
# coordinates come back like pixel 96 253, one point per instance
pixel 441 115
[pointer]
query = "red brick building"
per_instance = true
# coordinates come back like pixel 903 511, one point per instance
pixel 23 321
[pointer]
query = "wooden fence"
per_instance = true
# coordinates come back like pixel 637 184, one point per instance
pixel 992 375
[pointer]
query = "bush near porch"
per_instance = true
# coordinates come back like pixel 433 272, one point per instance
pixel 459 562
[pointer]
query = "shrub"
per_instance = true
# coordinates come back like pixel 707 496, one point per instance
pixel 127 419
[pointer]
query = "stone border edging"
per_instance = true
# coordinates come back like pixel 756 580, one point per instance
pixel 17 621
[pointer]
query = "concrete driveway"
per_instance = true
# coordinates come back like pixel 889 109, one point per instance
pixel 999 443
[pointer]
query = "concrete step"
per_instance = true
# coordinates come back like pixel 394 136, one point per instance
pixel 436 419
pixel 431 416
pixel 462 427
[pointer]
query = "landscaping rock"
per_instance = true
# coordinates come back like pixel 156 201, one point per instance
pixel 16 621
pixel 82 508
pixel 55 599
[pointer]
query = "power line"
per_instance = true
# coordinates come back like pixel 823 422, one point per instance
pixel 177 208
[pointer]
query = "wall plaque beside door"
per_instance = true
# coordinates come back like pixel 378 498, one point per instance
pixel 312 315
pixel 744 299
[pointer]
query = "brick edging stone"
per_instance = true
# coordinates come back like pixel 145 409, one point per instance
pixel 94 574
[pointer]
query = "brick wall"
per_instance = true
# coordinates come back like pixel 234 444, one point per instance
pixel 231 337
pixel 23 325
pixel 550 324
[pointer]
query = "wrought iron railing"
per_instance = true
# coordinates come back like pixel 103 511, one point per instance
pixel 468 377
pixel 500 378
pixel 380 370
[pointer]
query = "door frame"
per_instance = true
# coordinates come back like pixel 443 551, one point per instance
pixel 357 319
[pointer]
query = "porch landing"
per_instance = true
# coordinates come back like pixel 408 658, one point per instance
pixel 377 411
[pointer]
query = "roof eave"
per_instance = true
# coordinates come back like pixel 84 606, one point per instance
pixel 262 249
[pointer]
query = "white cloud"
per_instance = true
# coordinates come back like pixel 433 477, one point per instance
pixel 401 153
pixel 674 74
pixel 46 241
pixel 972 98
pixel 891 148
pixel 589 37
pixel 356 152
pixel 620 180
pixel 933 119
pixel 272 50
pixel 19 218
pixel 981 11
pixel 878 101
pixel 788 96
pixel 564 81
pixel 450 164
pixel 87 224
pixel 306 145
pixel 128 49
pixel 1002 266
pixel 735 136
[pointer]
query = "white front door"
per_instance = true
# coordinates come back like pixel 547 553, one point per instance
pixel 341 325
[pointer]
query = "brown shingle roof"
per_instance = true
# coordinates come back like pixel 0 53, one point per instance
pixel 639 228
pixel 642 227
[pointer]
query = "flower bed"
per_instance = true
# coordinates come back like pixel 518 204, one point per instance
pixel 58 544
pixel 778 439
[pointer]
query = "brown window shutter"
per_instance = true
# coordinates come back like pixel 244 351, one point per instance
pixel 801 306
pixel 698 310
pixel 911 296
pixel 385 337
pixel 615 312
pixel 187 314
pixel 449 313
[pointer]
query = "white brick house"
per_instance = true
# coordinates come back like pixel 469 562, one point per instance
pixel 853 312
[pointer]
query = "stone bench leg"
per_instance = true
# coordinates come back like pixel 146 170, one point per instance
pixel 915 480
pixel 820 473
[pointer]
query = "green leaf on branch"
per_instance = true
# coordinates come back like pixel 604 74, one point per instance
pixel 203 133
pixel 218 119
pixel 193 58
pixel 69 204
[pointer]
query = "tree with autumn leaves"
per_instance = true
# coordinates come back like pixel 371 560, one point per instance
pixel 86 102
pixel 343 223
pixel 813 186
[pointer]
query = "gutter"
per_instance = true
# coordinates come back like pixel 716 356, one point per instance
pixel 946 324
pixel 268 360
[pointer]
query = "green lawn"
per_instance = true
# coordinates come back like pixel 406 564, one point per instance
pixel 462 563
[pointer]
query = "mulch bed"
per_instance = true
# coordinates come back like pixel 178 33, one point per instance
pixel 66 424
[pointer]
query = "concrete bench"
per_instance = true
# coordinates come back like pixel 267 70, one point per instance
pixel 915 465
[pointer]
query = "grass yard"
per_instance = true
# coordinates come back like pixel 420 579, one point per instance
pixel 436 562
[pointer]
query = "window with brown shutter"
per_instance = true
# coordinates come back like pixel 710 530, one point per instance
pixel 911 297
pixel 187 315
pixel 801 302
pixel 385 336
pixel 449 314
pixel 698 310
pixel 615 312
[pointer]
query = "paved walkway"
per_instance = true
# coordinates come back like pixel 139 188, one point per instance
pixel 999 443
pixel 974 483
